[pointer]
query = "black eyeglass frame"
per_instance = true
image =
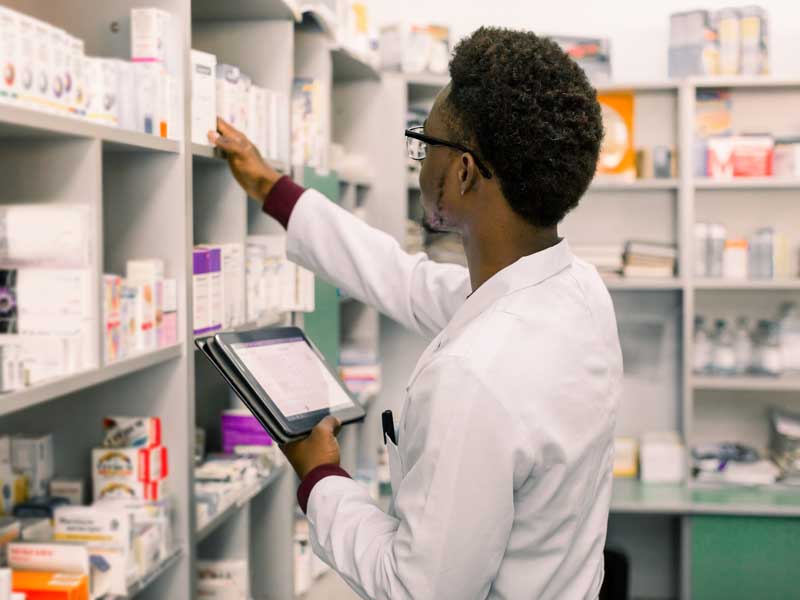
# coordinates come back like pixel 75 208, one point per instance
pixel 414 133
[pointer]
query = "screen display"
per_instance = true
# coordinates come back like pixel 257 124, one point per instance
pixel 295 378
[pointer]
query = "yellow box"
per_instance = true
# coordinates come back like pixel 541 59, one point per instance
pixel 43 585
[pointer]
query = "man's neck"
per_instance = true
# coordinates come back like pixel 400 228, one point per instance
pixel 492 251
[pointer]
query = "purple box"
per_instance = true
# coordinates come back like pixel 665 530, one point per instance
pixel 214 260
pixel 240 428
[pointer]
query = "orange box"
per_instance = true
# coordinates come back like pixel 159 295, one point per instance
pixel 43 585
pixel 617 153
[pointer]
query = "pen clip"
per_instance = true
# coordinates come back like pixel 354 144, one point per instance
pixel 387 420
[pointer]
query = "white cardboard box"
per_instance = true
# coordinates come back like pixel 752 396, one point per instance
pixel 10 34
pixel 150 35
pixel 662 458
pixel 228 92
pixel 33 457
pixel 204 96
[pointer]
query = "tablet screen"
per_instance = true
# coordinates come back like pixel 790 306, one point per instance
pixel 295 378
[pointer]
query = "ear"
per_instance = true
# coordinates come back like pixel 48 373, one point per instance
pixel 467 173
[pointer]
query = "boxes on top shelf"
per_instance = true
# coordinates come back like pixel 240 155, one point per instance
pixel 617 158
pixel 10 58
pixel 415 48
pixel 204 96
pixel 593 54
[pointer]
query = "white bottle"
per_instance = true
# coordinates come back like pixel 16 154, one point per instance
pixel 743 347
pixel 701 359
pixel 723 357
pixel 790 337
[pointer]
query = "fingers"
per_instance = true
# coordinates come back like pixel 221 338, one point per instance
pixel 223 142
pixel 227 129
pixel 330 425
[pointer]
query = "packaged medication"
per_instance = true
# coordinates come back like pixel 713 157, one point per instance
pixel 112 324
pixel 233 575
pixel 228 92
pixel 42 74
pixel 107 532
pixel 33 457
pixel 204 95
pixel 129 464
pixel 735 259
pixel 133 432
pixel 243 102
pixel 128 318
pixel 5 584
pixel 126 95
pixel 48 585
pixel 201 290
pixel 145 275
pixel 71 489
pixel 215 286
pixel 102 81
pixel 15 486
pixel 75 82
pixel 150 35
pixel 45 235
pixel 129 490
pixel 729 46
pixel 36 529
pixel 168 333
pixel 149 81
pixel 10 46
pixel 26 90
pixel 233 284
pixel 754 41
pixel 662 457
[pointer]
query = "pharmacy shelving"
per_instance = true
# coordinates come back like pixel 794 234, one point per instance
pixel 318 16
pixel 244 10
pixel 747 384
pixel 639 87
pixel 141 584
pixel 633 284
pixel 749 284
pixel 634 497
pixel 756 82
pixel 355 179
pixel 349 66
pixel 204 152
pixel 246 497
pixel 19 122
pixel 749 183
pixel 639 184
pixel 433 81
pixel 63 386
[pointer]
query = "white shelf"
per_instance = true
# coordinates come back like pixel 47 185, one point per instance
pixel 637 86
pixel 349 66
pixel 244 10
pixel 247 496
pixel 320 17
pixel 434 81
pixel 744 81
pixel 266 321
pixel 747 384
pixel 639 184
pixel 631 496
pixel 16 401
pixel 622 283
pixel 743 284
pixel 140 584
pixel 748 183
pixel 21 122
pixel 212 154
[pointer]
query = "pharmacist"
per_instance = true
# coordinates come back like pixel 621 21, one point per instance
pixel 502 470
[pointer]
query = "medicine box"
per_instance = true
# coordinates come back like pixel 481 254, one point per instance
pixel 241 428
pixel 15 486
pixel 39 556
pixel 147 513
pixel 45 235
pixel 662 458
pixel 76 84
pixel 233 284
pixel 228 91
pixel 133 432
pixel 150 35
pixel 113 489
pixel 126 95
pixel 168 332
pixel 149 79
pixel 112 326
pixel 10 34
pixel 36 529
pixel 46 585
pixel 33 457
pixel 128 318
pixel 201 289
pixel 129 464
pixel 233 574
pixel 204 95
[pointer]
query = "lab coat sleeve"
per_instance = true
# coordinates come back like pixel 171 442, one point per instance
pixel 372 267
pixel 454 507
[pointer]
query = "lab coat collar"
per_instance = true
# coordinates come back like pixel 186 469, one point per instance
pixel 525 272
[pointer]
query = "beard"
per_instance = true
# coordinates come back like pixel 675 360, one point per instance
pixel 434 223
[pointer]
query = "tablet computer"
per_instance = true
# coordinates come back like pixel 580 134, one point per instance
pixel 282 378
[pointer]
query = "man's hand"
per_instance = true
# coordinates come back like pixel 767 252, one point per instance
pixel 319 448
pixel 249 169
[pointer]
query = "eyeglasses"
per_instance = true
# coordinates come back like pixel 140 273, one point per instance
pixel 417 143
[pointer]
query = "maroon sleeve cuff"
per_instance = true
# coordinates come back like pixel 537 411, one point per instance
pixel 316 475
pixel 281 199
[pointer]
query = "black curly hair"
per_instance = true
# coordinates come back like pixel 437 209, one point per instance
pixel 533 115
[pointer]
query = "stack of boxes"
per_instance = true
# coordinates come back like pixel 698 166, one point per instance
pixel 132 464
pixel 58 548
pixel 48 310
pixel 45 69
pixel 219 294
pixel 223 90
pixel 139 311
pixel 731 41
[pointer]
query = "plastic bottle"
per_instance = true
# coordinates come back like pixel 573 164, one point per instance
pixel 743 346
pixel 769 349
pixel 723 357
pixel 701 359
pixel 789 322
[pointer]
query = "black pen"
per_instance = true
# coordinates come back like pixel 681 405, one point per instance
pixel 388 427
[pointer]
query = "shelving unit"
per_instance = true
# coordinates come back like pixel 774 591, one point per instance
pixel 747 384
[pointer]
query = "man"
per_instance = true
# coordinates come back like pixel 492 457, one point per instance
pixel 502 473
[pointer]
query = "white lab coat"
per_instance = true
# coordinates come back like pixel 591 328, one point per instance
pixel 502 479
